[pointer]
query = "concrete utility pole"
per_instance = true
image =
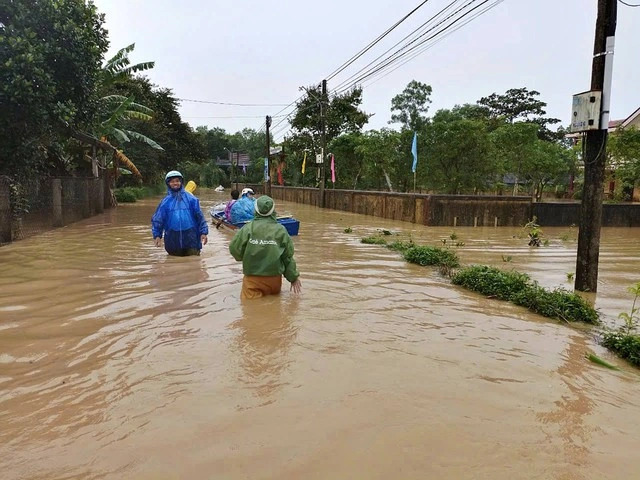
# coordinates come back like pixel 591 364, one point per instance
pixel 324 140
pixel 267 182
pixel 595 151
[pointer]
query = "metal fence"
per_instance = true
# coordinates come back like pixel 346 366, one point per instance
pixel 32 206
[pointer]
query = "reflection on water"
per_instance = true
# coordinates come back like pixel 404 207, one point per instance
pixel 117 361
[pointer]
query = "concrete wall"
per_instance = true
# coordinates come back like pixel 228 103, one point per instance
pixel 459 210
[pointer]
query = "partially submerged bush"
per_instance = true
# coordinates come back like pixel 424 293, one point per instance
pixel 558 303
pixel 520 289
pixel 624 344
pixel 400 246
pixel 373 240
pixel 424 255
pixel 492 282
pixel 125 195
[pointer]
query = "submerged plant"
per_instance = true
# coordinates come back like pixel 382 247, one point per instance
pixel 507 258
pixel 518 288
pixel 348 230
pixel 424 255
pixel 373 240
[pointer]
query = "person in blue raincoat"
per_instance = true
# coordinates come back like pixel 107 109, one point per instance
pixel 243 210
pixel 179 219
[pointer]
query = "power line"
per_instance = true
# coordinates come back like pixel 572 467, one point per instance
pixel 396 56
pixel 432 44
pixel 232 104
pixel 373 43
pixel 413 33
pixel 629 4
pixel 231 116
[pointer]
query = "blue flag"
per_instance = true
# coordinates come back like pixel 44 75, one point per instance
pixel 266 169
pixel 414 152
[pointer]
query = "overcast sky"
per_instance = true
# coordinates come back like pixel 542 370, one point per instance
pixel 252 51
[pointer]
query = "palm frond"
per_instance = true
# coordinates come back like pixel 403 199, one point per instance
pixel 116 115
pixel 143 138
pixel 120 135
pixel 124 160
pixel 133 115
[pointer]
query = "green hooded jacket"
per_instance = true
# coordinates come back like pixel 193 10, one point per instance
pixel 264 246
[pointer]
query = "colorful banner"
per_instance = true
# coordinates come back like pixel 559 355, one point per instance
pixel 414 152
pixel 333 168
pixel 304 162
pixel 266 169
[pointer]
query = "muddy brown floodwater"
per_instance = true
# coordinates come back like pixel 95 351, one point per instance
pixel 117 362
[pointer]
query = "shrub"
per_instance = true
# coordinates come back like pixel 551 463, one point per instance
pixel 492 282
pixel 624 344
pixel 518 288
pixel 125 195
pixel 373 240
pixel 425 255
pixel 400 246
pixel 558 303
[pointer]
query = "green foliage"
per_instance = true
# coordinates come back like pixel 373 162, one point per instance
pixel 558 303
pixel 520 104
pixel 623 153
pixel 425 255
pixel 518 288
pixel 625 345
pixel 50 55
pixel 373 240
pixel 342 113
pixel 597 360
pixel 458 154
pixel 348 230
pixel 131 194
pixel 125 195
pixel 570 276
pixel 411 105
pixel 400 246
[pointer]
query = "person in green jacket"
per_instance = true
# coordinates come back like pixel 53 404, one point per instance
pixel 266 251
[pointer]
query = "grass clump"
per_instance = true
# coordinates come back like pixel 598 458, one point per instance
pixel 626 345
pixel 558 303
pixel 518 288
pixel 373 240
pixel 400 246
pixel 625 341
pixel 425 255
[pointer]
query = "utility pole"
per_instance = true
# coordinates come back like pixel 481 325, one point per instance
pixel 595 151
pixel 324 140
pixel 267 181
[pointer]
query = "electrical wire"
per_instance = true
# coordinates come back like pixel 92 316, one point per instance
pixel 432 44
pixel 396 56
pixel 629 4
pixel 232 104
pixel 405 38
pixel 373 43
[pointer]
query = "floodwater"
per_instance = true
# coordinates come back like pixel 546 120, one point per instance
pixel 117 362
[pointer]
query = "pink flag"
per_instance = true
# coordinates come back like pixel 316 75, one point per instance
pixel 333 168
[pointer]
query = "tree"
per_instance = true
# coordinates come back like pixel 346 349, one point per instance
pixel 458 154
pixel 381 157
pixel 411 105
pixel 549 162
pixel 623 150
pixel 341 112
pixel 50 58
pixel 514 144
pixel 520 104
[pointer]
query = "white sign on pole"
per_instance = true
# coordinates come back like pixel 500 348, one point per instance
pixel 585 114
pixel 318 158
